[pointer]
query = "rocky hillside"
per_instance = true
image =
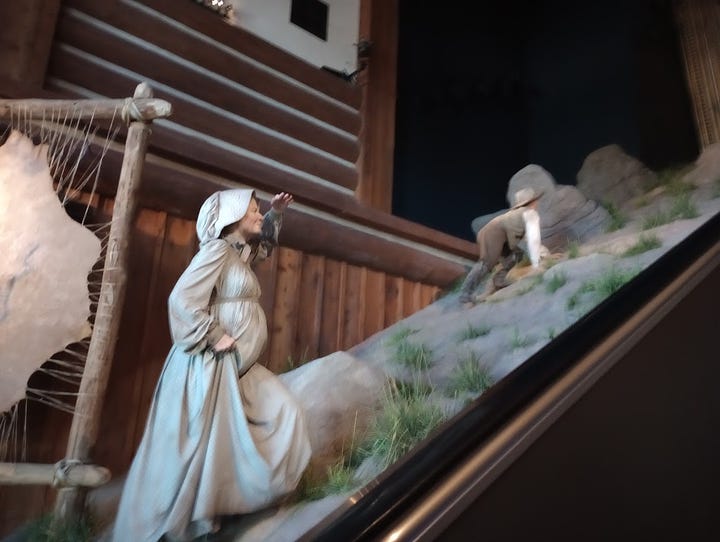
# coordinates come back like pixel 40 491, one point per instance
pixel 368 406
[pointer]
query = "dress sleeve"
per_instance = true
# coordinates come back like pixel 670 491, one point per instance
pixel 191 324
pixel 272 222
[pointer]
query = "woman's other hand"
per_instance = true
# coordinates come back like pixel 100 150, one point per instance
pixel 281 201
pixel 226 342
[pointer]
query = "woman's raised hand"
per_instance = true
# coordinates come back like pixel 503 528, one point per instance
pixel 281 201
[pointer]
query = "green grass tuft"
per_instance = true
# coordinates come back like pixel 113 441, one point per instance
pixel 414 356
pixel 671 178
pixel 573 301
pixel 470 376
pixel 556 281
pixel 45 530
pixel 518 341
pixel 617 219
pixel 473 332
pixel 573 250
pixel 340 478
pixel 403 422
pixel 683 207
pixel 656 219
pixel 643 244
pixel 679 188
pixel 716 189
pixel 418 388
pixel 602 287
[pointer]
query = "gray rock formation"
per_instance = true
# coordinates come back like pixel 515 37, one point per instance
pixel 609 175
pixel 339 394
pixel 707 167
pixel 566 215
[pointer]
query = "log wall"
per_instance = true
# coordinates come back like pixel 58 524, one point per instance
pixel 245 113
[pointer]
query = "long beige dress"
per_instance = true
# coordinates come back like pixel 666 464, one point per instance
pixel 223 435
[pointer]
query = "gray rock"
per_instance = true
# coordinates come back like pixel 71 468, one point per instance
pixel 339 394
pixel 707 167
pixel 609 175
pixel 566 214
pixel 531 176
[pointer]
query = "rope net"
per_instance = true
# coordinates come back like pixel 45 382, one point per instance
pixel 69 145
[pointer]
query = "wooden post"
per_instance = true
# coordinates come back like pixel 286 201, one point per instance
pixel 26 39
pixel 378 28
pixel 86 419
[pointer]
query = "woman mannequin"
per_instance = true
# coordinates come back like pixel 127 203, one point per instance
pixel 223 435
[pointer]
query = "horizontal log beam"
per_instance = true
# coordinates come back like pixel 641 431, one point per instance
pixel 157 21
pixel 104 81
pixel 144 109
pixel 180 190
pixel 197 18
pixel 389 244
pixel 60 474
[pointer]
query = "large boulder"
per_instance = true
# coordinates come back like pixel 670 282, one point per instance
pixel 609 175
pixel 531 176
pixel 566 215
pixel 339 394
pixel 707 167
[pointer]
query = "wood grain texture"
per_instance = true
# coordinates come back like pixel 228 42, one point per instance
pixel 159 34
pixel 310 315
pixel 285 310
pixel 88 74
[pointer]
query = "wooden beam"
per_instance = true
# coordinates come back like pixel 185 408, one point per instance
pixel 143 47
pixel 60 474
pixel 26 39
pixel 180 190
pixel 378 29
pixel 144 109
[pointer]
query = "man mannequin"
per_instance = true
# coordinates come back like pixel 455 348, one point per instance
pixel 498 242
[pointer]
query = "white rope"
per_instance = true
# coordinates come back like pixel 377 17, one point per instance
pixel 75 171
pixel 62 469
pixel 130 111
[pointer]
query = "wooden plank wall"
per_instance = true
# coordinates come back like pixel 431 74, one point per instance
pixel 314 305
pixel 244 113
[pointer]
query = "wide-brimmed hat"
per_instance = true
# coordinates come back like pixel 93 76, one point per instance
pixel 525 196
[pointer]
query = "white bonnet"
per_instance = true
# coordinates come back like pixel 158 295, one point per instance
pixel 220 210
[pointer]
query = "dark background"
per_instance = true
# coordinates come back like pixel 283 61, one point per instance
pixel 483 92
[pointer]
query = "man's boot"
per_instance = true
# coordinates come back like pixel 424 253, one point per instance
pixel 473 279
